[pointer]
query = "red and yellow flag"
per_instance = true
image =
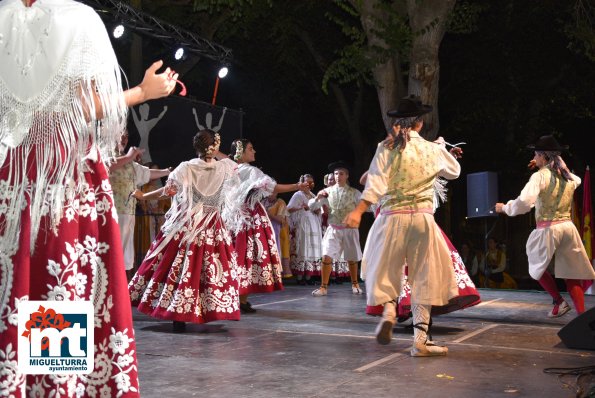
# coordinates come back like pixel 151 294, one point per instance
pixel 575 214
pixel 587 222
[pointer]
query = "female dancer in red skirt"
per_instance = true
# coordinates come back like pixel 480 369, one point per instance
pixel 62 110
pixel 189 273
pixel 259 265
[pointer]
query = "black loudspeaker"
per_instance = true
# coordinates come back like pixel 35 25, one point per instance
pixel 580 332
pixel 482 194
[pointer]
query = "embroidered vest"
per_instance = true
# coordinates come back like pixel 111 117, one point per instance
pixel 555 201
pixel 412 185
pixel 342 200
pixel 122 181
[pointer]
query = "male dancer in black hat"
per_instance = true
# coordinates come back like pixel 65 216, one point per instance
pixel 550 191
pixel 340 199
pixel 404 175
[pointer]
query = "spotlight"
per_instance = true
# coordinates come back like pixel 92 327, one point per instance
pixel 179 54
pixel 118 31
pixel 223 72
pixel 220 75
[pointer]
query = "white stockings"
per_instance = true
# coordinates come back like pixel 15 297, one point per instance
pixel 422 347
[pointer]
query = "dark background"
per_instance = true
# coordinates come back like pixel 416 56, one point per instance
pixel 516 76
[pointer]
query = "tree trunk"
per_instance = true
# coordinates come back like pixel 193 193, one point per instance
pixel 351 114
pixel 389 83
pixel 427 19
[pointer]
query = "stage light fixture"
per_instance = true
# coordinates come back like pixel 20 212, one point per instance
pixel 118 31
pixel 220 75
pixel 223 72
pixel 179 54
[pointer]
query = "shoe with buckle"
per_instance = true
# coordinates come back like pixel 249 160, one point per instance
pixel 356 289
pixel 321 291
pixel 559 309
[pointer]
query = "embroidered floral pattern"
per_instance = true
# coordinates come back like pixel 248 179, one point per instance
pixel 261 270
pixel 461 275
pixel 75 268
pixel 192 282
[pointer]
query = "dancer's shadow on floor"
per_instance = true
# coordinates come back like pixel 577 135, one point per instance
pixel 191 328
pixel 436 330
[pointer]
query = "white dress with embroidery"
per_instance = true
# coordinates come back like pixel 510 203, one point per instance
pixel 307 235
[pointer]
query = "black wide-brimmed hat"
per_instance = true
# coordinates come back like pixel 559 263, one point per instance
pixel 547 143
pixel 410 106
pixel 338 165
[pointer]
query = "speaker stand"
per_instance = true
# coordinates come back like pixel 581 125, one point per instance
pixel 486 269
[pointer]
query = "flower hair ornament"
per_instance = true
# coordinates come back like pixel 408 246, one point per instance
pixel 239 150
pixel 215 146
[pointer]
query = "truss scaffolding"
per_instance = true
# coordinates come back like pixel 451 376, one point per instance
pixel 172 35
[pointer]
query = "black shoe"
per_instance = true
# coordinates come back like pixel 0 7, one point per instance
pixel 179 327
pixel 246 308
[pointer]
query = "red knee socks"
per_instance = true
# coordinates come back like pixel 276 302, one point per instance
pixel 572 285
pixel 549 284
pixel 576 292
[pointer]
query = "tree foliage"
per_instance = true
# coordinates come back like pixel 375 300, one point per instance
pixel 580 29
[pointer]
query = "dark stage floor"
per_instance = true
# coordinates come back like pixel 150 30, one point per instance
pixel 297 345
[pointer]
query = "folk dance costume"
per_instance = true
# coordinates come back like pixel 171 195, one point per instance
pixel 306 260
pixel 124 180
pixel 338 240
pixel 259 265
pixel 190 271
pixel 153 216
pixel 550 190
pixel 59 237
pixel 405 230
pixel 340 267
pixel 468 295
pixel 279 209
pixel 276 208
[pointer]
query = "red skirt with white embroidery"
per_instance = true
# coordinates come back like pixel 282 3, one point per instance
pixel 468 294
pixel 81 260
pixel 259 266
pixel 193 281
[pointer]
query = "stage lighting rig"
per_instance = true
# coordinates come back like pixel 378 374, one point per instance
pixel 147 25
pixel 179 54
pixel 223 72
pixel 118 31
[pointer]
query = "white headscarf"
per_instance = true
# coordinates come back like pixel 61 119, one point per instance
pixel 56 58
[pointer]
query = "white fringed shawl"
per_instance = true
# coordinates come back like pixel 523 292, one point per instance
pixel 55 56
pixel 254 187
pixel 204 191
